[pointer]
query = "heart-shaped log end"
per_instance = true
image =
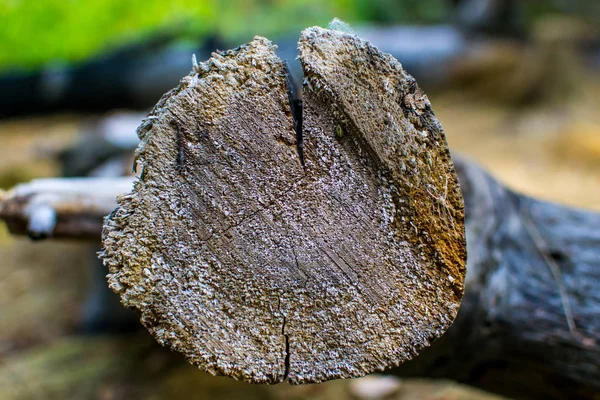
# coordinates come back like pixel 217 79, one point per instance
pixel 266 260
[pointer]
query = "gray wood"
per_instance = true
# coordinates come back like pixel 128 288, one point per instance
pixel 266 259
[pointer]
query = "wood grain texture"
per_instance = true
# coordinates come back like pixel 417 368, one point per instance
pixel 257 267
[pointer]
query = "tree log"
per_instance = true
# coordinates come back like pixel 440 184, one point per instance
pixel 269 247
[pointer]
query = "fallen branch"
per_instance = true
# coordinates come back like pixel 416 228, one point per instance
pixel 61 208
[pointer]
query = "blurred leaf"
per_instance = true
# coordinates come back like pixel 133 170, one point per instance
pixel 35 32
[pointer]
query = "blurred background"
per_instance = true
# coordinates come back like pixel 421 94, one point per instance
pixel 515 84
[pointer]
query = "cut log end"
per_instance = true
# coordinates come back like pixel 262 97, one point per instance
pixel 268 261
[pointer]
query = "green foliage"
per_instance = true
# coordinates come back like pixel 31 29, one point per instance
pixel 33 32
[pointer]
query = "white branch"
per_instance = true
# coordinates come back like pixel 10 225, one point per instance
pixel 61 207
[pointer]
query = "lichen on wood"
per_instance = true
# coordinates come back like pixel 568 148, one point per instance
pixel 264 268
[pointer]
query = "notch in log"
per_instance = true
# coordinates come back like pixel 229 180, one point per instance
pixel 265 263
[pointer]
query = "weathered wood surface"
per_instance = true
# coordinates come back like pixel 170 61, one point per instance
pixel 61 208
pixel 529 324
pixel 266 258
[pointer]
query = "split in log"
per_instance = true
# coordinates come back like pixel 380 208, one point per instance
pixel 269 259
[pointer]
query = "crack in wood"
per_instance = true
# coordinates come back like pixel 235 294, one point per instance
pixel 180 142
pixel 296 109
pixel 286 361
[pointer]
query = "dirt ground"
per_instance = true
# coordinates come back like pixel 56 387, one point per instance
pixel 551 152
pixel 547 151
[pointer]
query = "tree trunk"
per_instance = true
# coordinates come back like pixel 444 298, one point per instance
pixel 269 246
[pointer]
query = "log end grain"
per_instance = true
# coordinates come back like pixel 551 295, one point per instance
pixel 262 265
